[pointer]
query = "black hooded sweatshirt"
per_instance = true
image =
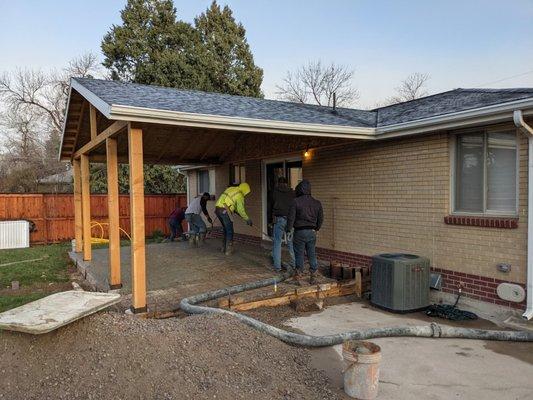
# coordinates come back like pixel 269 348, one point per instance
pixel 281 201
pixel 305 212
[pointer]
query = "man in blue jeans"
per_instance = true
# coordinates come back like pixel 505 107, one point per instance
pixel 281 200
pixel 305 217
pixel 193 215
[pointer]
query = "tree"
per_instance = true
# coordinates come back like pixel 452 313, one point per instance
pixel 411 88
pixel 34 105
pixel 152 47
pixel 229 63
pixel 316 83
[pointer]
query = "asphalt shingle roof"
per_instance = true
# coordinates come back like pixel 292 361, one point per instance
pixel 190 101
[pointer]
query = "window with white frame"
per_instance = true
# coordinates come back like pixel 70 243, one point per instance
pixel 203 181
pixel 237 174
pixel 485 180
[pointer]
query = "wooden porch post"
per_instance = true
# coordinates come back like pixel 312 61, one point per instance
pixel 86 207
pixel 78 226
pixel 138 267
pixel 113 212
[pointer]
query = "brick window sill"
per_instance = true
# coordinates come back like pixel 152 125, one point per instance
pixel 484 222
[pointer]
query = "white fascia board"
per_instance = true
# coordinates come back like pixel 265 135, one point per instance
pixel 138 114
pixel 64 122
pixel 96 101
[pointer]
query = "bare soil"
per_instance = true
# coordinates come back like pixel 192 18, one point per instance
pixel 115 356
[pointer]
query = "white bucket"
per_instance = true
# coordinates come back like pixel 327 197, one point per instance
pixel 73 244
pixel 361 369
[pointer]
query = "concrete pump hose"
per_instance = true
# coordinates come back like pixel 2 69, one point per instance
pixel 434 330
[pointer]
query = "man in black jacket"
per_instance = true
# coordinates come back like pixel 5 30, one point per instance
pixel 305 217
pixel 281 200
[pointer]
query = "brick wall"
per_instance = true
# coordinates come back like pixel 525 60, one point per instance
pixel 393 196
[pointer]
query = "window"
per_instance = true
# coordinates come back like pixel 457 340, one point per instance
pixel 486 172
pixel 203 181
pixel 237 174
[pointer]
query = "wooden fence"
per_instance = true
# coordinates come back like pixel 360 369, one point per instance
pixel 53 214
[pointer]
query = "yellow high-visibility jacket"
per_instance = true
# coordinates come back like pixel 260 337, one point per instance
pixel 233 199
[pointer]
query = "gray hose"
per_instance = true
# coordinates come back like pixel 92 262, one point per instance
pixel 434 330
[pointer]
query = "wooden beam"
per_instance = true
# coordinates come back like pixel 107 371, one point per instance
pixel 78 226
pixel 86 207
pixel 113 212
pixel 138 261
pixel 93 122
pixel 109 132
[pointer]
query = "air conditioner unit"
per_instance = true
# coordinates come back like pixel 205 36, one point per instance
pixel 400 282
pixel 14 234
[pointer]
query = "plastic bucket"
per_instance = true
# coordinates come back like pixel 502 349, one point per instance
pixel 361 369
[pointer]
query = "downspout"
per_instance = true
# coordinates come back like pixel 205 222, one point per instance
pixel 518 119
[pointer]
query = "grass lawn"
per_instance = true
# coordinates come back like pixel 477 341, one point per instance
pixel 37 278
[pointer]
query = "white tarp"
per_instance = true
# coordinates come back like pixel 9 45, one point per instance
pixel 51 312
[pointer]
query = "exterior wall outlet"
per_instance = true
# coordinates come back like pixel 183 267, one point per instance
pixel 503 267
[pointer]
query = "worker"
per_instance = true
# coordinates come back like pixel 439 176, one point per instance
pixel 175 219
pixel 281 199
pixel 197 228
pixel 230 202
pixel 305 220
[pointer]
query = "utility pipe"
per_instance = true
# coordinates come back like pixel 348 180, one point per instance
pixel 434 330
pixel 518 119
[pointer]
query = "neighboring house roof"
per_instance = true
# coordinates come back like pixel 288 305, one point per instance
pixel 61 177
pixel 197 102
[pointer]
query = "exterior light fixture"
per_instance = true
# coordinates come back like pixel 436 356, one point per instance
pixel 307 154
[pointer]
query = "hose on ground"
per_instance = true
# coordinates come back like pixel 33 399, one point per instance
pixel 434 330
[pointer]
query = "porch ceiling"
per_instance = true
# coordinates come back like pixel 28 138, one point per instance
pixel 179 144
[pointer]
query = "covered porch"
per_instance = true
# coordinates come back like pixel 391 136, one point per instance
pixel 99 130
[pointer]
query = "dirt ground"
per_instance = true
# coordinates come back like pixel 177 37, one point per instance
pixel 111 355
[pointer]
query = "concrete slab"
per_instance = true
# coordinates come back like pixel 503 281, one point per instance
pixel 54 311
pixel 417 368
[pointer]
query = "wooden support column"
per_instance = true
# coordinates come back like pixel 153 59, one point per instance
pixel 138 262
pixel 78 225
pixel 86 207
pixel 113 212
pixel 93 122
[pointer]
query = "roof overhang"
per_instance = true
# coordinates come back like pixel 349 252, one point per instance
pixel 477 116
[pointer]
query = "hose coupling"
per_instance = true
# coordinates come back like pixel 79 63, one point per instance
pixel 437 330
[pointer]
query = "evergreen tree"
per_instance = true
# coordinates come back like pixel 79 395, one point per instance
pixel 228 60
pixel 152 47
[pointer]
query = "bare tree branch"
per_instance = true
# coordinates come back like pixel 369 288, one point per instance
pixel 318 83
pixel 411 88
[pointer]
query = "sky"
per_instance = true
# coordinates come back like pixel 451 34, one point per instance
pixel 466 43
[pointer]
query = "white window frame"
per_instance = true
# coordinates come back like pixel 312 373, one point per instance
pixel 453 170
pixel 198 188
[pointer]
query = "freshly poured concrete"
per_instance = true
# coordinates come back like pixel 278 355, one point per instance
pixel 51 312
pixel 417 368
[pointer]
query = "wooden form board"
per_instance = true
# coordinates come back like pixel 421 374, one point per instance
pixel 114 213
pixel 138 262
pixel 78 225
pixel 319 291
pixel 86 207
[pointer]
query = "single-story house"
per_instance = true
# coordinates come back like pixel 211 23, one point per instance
pixel 445 176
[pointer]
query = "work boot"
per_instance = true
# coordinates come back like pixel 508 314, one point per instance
pixel 312 278
pixel 223 248
pixel 297 277
pixel 201 239
pixel 229 249
pixel 192 240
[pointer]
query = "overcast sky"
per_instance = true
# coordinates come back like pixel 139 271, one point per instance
pixel 466 43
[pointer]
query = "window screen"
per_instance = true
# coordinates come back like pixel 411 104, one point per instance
pixel 237 174
pixel 203 181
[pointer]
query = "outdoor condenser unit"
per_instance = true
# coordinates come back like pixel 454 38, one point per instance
pixel 14 234
pixel 400 282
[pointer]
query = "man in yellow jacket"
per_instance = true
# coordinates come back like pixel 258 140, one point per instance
pixel 230 202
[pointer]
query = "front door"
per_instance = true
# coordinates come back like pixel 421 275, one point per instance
pixel 290 169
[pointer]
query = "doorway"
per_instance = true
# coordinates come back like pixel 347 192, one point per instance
pixel 272 170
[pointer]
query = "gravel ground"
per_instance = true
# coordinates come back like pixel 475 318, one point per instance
pixel 110 355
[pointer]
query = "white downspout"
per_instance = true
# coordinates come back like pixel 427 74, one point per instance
pixel 518 119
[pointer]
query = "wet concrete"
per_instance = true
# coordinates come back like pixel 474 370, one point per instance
pixel 417 368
